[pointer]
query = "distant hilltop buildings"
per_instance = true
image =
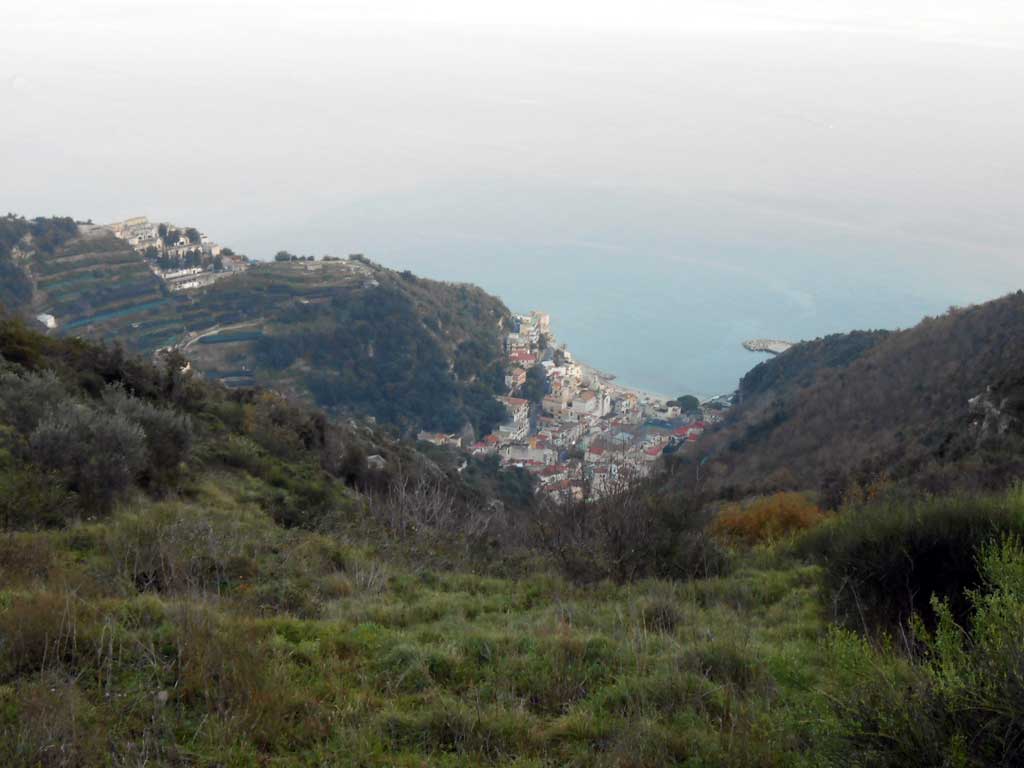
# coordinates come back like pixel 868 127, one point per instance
pixel 183 257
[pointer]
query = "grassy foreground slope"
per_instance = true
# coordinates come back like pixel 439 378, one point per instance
pixel 403 667
pixel 197 632
pixel 192 576
pixel 188 580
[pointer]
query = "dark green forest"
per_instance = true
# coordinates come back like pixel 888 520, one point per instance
pixel 372 353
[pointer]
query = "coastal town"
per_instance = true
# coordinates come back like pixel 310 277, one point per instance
pixel 573 428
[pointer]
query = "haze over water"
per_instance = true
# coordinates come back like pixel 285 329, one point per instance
pixel 665 183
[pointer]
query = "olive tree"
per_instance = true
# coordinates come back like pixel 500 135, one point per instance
pixel 99 455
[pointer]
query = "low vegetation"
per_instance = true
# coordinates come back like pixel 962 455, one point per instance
pixel 767 519
pixel 884 562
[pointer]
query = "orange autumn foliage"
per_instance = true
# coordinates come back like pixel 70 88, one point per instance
pixel 767 519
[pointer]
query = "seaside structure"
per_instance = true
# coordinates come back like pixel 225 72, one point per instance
pixel 771 346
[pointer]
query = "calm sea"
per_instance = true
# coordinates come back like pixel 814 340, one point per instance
pixel 661 300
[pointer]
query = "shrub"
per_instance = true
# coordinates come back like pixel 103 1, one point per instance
pixel 172 547
pixel 884 563
pixel 766 519
pixel 563 669
pixel 228 669
pixel 490 736
pixel 41 631
pixel 661 615
pixel 26 399
pixel 304 502
pixel 405 668
pixel 99 455
pixel 724 662
pixel 168 433
pixel 668 692
pixel 959 698
pixel 32 499
pixel 25 558
pixel 54 725
pixel 628 535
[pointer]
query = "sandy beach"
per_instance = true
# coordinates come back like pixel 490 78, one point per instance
pixel 614 386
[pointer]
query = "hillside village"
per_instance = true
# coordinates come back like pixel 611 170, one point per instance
pixel 183 257
pixel 573 428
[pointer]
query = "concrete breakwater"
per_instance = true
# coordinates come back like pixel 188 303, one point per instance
pixel 771 346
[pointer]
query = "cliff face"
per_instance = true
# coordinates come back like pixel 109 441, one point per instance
pixel 999 411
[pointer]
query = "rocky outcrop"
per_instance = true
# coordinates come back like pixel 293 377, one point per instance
pixel 999 410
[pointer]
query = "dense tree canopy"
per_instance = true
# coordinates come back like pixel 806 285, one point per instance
pixel 372 353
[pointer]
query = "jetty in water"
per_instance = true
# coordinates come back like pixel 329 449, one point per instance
pixel 771 346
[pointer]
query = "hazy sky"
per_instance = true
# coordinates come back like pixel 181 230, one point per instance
pixel 853 141
pixel 904 116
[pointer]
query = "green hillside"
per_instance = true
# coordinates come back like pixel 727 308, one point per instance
pixel 20 240
pixel 851 410
pixel 353 337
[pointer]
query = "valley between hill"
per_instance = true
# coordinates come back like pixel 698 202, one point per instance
pixel 192 574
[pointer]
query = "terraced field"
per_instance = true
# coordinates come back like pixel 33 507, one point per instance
pixel 99 287
pixel 240 308
pixel 349 336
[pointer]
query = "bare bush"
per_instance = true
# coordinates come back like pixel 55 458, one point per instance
pixel 628 533
pixel 427 504
pixel 181 549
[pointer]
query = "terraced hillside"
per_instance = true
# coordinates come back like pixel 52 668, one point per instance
pixel 99 287
pixel 348 335
pixel 224 321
